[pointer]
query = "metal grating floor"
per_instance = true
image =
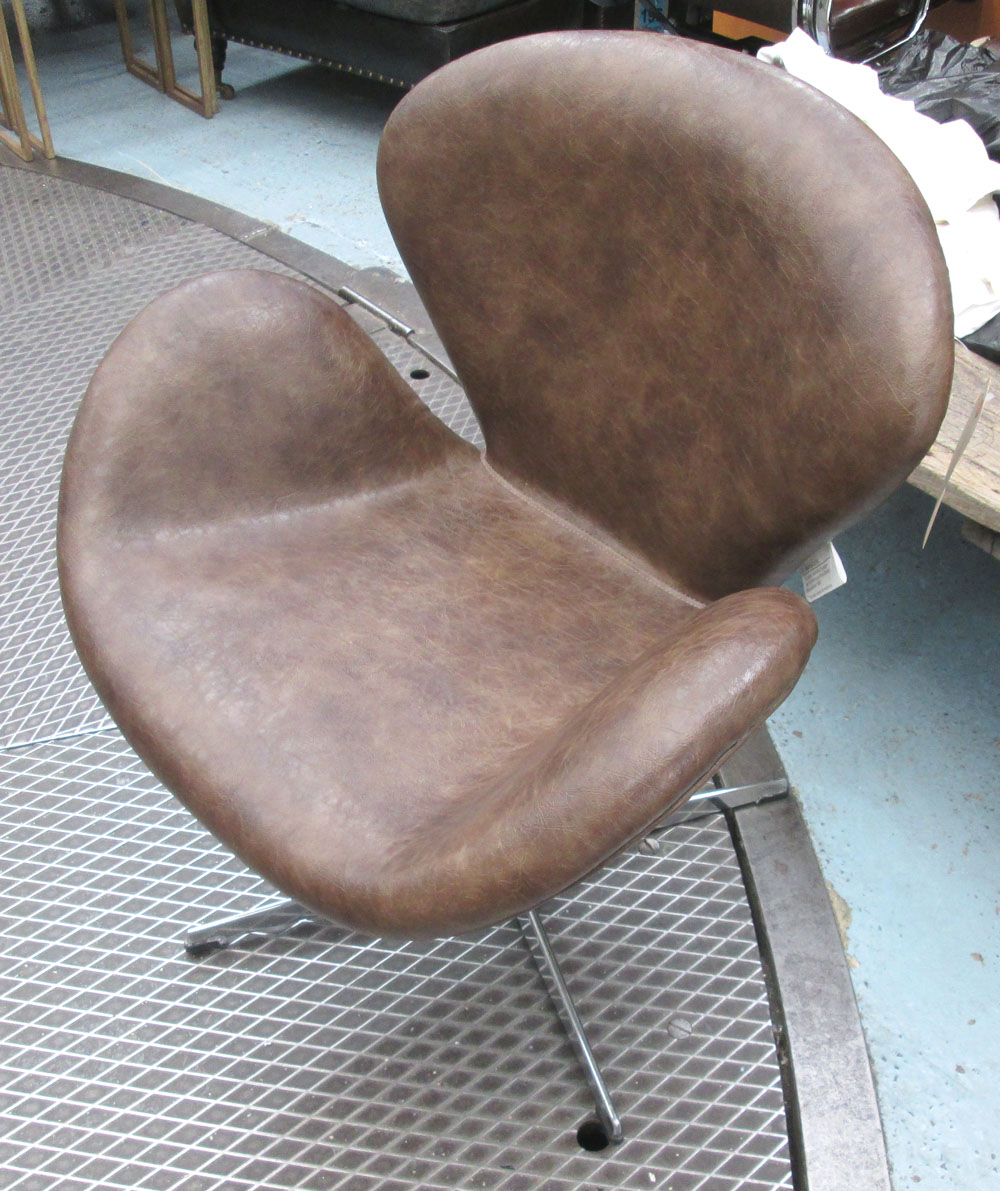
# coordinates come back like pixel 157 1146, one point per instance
pixel 326 1061
pixel 338 1061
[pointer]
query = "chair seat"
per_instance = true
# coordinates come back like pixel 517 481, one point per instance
pixel 419 707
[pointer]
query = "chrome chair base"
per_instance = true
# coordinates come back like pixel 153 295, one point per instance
pixel 275 920
pixel 281 918
pixel 538 944
pixel 284 917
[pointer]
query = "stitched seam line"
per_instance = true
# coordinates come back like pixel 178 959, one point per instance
pixel 619 555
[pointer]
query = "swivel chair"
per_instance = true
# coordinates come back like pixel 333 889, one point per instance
pixel 702 316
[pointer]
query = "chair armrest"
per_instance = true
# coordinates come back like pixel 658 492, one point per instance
pixel 242 394
pixel 575 798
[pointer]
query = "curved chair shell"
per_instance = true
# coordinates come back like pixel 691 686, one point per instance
pixel 420 693
pixel 394 696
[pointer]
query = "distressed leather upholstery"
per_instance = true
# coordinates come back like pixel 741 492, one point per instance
pixel 703 318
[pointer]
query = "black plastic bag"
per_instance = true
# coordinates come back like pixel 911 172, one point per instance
pixel 948 80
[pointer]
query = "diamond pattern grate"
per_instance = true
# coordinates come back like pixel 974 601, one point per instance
pixel 53 231
pixel 435 388
pixel 334 1061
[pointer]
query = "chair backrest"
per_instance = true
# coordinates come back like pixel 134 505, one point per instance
pixel 692 300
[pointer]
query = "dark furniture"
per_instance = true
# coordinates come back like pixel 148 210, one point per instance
pixel 401 41
pixel 394 41
pixel 423 690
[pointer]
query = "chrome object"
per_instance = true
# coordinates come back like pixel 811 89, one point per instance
pixel 914 29
pixel 393 323
pixel 537 942
pixel 281 918
pixel 270 923
pixel 816 18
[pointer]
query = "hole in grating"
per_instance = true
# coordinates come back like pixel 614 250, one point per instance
pixel 592 1136
pixel 419 374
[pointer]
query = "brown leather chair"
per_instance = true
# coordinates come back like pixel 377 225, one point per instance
pixel 702 315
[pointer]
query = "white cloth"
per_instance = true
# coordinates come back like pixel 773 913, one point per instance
pixel 948 162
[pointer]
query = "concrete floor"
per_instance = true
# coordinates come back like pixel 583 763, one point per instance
pixel 296 147
pixel 893 736
pixel 892 739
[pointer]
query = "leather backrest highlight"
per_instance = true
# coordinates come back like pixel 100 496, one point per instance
pixel 693 301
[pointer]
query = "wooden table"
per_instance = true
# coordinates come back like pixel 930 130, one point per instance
pixel 974 488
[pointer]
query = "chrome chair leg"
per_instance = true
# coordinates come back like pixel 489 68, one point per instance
pixel 270 923
pixel 285 916
pixel 538 944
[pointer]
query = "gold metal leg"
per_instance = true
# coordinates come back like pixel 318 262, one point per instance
pixel 24 143
pixel 10 100
pixel 163 76
pixel 133 64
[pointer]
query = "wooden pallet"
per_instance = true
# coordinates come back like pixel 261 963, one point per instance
pixel 974 488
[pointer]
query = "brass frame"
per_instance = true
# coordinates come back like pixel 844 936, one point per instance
pixel 24 142
pixel 163 76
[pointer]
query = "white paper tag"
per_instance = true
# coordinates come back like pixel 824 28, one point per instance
pixel 822 572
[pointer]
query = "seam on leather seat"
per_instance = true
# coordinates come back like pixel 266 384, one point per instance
pixel 644 572
pixel 169 531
